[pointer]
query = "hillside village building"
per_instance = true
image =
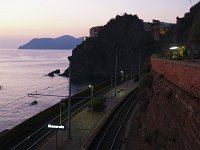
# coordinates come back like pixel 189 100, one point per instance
pixel 94 31
pixel 157 28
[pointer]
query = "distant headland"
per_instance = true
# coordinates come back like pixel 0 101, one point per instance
pixel 63 42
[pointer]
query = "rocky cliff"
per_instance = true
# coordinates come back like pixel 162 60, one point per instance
pixel 188 27
pixel 187 31
pixel 124 37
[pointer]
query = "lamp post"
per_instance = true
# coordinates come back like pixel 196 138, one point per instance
pixel 111 86
pixel 69 103
pixel 126 80
pixel 122 76
pixel 91 86
pixel 115 74
pixel 139 69
pixel 131 73
pixel 61 104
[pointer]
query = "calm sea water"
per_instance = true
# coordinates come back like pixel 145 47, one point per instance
pixel 23 72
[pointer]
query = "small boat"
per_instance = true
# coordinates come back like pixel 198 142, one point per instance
pixel 34 103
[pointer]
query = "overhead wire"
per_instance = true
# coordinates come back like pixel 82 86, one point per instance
pixel 22 97
pixel 52 85
pixel 47 93
pixel 36 96
pixel 17 100
pixel 5 105
pixel 9 111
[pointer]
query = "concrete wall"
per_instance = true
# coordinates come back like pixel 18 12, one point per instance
pixel 173 112
pixel 184 74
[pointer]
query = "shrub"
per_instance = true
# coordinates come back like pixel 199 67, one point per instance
pixel 145 81
pixel 97 103
pixel 146 67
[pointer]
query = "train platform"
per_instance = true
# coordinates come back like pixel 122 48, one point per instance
pixel 86 124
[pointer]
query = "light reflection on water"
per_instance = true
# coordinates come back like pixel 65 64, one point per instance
pixel 22 72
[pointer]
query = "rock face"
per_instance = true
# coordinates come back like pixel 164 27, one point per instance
pixel 187 30
pixel 63 42
pixel 123 37
pixel 188 27
pixel 51 74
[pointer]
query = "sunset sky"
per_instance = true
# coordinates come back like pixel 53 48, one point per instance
pixel 22 20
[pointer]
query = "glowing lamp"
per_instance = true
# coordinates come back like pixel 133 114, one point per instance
pixel 174 47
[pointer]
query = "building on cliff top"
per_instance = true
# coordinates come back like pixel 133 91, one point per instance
pixel 94 31
pixel 157 28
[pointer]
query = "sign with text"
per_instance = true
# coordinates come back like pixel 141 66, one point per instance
pixel 57 127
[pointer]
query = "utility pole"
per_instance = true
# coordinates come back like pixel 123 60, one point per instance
pixel 60 113
pixel 115 74
pixel 91 100
pixel 69 103
pixel 139 69
pixel 122 76
pixel 131 73
pixel 111 86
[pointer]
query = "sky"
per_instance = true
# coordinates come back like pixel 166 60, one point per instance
pixel 23 20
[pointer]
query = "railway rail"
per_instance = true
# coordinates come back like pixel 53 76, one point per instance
pixel 36 137
pixel 111 135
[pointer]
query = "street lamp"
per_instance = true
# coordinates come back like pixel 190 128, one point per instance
pixel 122 76
pixel 61 104
pixel 91 86
pixel 111 86
pixel 126 80
pixel 139 64
pixel 115 74
pixel 69 103
pixel 173 47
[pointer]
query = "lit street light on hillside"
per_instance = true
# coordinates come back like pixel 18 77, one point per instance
pixel 61 104
pixel 69 103
pixel 115 74
pixel 122 76
pixel 91 86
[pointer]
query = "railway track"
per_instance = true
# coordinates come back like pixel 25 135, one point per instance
pixel 111 135
pixel 36 137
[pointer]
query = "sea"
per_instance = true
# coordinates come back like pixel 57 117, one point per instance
pixel 23 79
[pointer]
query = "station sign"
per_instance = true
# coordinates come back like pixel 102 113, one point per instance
pixel 57 127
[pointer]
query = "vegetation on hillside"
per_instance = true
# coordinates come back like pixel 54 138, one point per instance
pixel 185 33
pixel 188 27
pixel 188 30
pixel 123 36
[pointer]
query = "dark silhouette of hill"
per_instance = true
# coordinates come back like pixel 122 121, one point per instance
pixel 123 37
pixel 188 27
pixel 186 32
pixel 63 42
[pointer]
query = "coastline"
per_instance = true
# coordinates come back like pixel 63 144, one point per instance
pixel 23 72
pixel 26 128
